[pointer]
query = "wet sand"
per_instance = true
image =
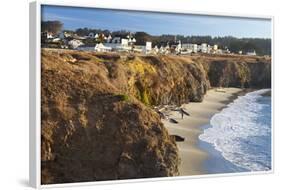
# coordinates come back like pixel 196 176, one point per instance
pixel 190 127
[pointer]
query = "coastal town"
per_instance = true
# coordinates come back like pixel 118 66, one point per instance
pixel 100 42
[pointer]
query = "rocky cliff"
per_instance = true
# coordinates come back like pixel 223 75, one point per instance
pixel 97 121
pixel 91 130
pixel 237 71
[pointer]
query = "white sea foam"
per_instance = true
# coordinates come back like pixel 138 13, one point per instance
pixel 242 132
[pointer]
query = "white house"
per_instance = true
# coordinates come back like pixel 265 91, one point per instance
pixel 119 44
pixel 164 50
pixel 118 47
pixel 116 40
pixel 109 38
pixel 49 35
pixel 178 47
pixel 161 50
pixel 145 49
pixel 155 50
pixel 124 42
pixel 194 48
pixel 187 48
pixel 64 35
pixel 190 48
pixel 75 43
pixel 209 48
pixel 251 53
pixel 148 47
pixel 204 48
pixel 131 41
pixel 215 47
pixel 101 48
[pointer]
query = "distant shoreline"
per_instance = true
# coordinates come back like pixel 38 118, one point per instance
pixel 190 127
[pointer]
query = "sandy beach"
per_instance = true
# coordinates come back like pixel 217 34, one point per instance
pixel 189 127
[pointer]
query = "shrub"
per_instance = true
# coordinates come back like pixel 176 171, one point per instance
pixel 144 97
pixel 122 97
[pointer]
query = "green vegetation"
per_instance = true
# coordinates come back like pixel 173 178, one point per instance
pixel 244 73
pixel 123 97
pixel 51 26
pixel 144 97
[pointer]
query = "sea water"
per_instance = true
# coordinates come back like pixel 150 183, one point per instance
pixel 239 137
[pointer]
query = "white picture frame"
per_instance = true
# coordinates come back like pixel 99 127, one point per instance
pixel 35 93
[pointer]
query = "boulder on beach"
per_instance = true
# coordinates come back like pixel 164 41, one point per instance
pixel 173 120
pixel 178 138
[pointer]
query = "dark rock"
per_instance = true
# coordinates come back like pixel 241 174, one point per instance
pixel 178 138
pixel 173 120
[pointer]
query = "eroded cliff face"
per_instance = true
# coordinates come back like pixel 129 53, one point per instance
pixel 92 132
pixel 237 71
pixel 97 121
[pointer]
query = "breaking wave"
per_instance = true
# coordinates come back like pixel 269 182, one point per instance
pixel 242 132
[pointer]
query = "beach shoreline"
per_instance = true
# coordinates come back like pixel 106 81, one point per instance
pixel 190 127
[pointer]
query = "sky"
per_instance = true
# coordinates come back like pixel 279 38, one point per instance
pixel 157 23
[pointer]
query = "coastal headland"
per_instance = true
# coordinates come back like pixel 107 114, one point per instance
pixel 101 112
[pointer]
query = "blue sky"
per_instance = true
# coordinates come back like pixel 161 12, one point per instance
pixel 157 23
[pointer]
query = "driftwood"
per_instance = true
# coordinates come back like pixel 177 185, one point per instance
pixel 173 120
pixel 178 138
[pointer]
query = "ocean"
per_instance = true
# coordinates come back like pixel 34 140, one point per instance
pixel 238 138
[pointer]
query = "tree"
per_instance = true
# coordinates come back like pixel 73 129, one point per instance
pixel 51 26
pixel 82 31
pixel 249 47
pixel 235 46
pixel 142 38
